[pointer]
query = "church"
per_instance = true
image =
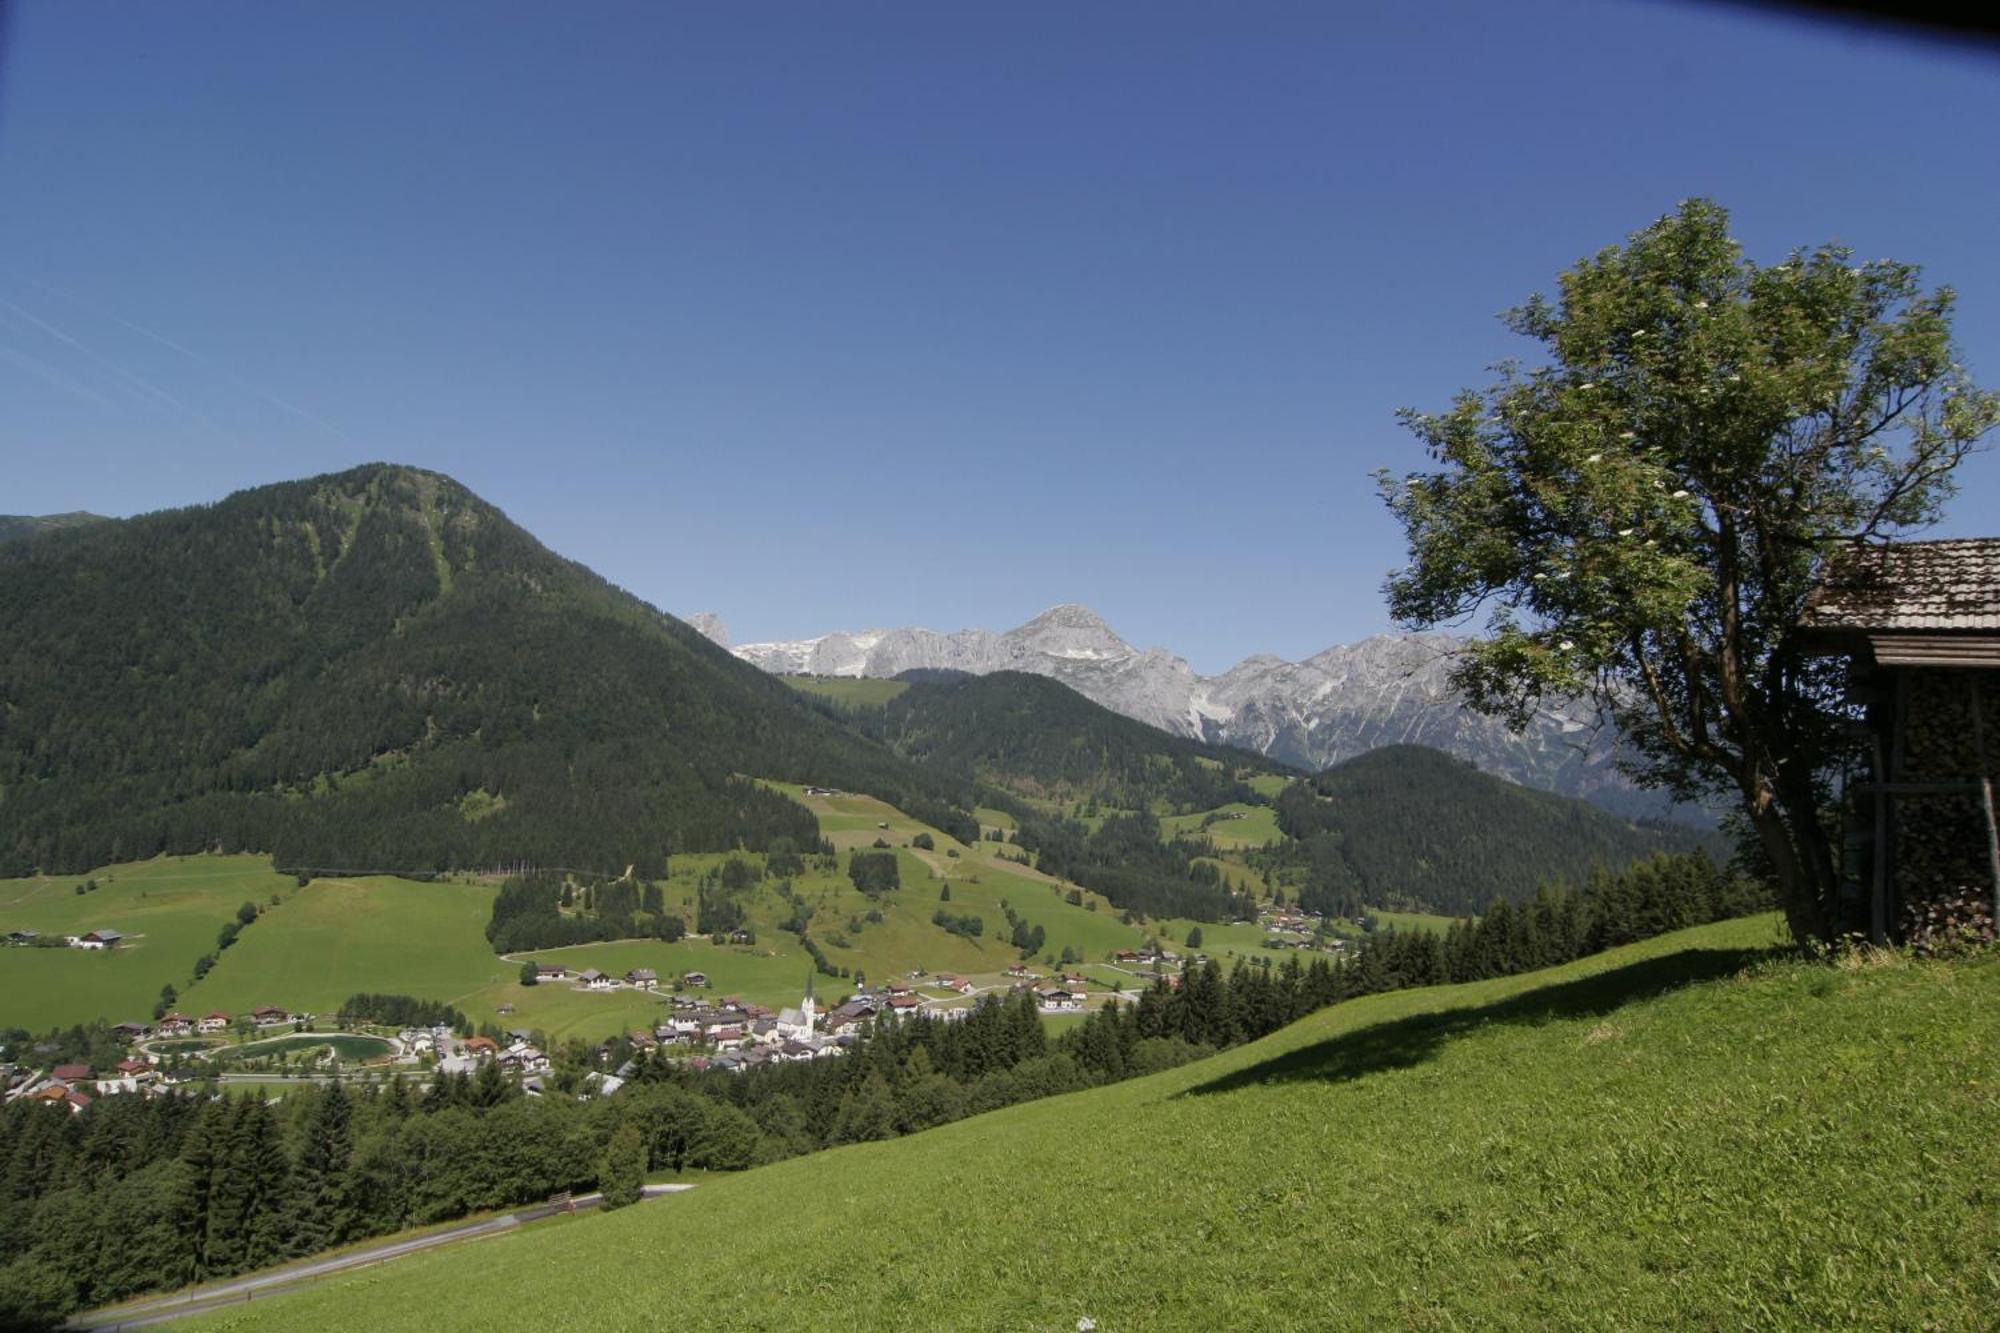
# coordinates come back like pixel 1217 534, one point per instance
pixel 798 1024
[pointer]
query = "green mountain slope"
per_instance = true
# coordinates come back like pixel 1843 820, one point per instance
pixel 1407 826
pixel 1645 1139
pixel 15 526
pixel 377 670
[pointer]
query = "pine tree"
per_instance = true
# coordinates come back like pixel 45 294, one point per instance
pixel 621 1171
pixel 321 1213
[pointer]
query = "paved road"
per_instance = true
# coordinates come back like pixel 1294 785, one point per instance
pixel 159 1311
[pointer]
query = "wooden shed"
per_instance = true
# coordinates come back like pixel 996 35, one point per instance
pixel 1920 625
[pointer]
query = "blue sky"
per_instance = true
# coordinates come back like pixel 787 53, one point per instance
pixel 828 316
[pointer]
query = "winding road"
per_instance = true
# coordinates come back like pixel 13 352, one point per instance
pixel 143 1314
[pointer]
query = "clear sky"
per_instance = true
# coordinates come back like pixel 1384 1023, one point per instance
pixel 837 315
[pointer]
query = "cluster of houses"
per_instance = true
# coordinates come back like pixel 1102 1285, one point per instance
pixel 639 978
pixel 517 1053
pixel 211 1024
pixel 1290 928
pixel 75 1085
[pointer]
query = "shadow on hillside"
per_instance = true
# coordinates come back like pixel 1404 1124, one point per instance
pixel 1404 1042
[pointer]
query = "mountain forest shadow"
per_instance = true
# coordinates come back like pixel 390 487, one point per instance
pixel 1405 1042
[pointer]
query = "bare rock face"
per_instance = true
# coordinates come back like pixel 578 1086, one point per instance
pixel 1347 700
pixel 710 626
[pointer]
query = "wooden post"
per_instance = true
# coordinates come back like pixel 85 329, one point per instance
pixel 1878 854
pixel 1986 795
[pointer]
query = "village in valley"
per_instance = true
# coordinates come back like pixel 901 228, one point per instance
pixel 274 1044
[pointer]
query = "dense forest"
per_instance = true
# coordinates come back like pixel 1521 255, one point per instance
pixel 1411 827
pixel 377 670
pixel 1037 737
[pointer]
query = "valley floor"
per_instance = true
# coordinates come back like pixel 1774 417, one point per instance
pixel 1689 1132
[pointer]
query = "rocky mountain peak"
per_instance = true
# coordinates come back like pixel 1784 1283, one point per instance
pixel 1070 631
pixel 1385 690
pixel 710 626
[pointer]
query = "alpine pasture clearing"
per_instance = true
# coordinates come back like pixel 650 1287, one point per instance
pixel 337 937
pixel 1688 1132
pixel 1231 827
pixel 172 906
pixel 1410 921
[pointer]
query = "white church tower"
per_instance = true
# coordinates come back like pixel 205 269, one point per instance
pixel 807 1008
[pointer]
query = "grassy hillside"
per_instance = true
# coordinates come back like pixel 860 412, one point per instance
pixel 376 670
pixel 337 937
pixel 171 907
pixel 1674 1134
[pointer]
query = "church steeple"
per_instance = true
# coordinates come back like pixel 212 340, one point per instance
pixel 807 1007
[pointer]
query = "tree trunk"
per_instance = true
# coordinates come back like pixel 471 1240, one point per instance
pixel 1806 882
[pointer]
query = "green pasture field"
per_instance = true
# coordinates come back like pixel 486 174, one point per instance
pixel 1251 826
pixel 1409 921
pixel 338 937
pixel 172 906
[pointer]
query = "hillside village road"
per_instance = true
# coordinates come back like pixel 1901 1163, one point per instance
pixel 146 1313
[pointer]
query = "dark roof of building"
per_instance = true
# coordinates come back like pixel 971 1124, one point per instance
pixel 1909 586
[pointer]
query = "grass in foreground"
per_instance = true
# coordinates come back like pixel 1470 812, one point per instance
pixel 1680 1133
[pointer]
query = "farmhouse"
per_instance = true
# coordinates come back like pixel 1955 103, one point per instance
pixel 96 939
pixel 71 1073
pixel 1058 999
pixel 593 979
pixel 552 972
pixel 175 1025
pixel 55 1094
pixel 1919 623
pixel 480 1048
pixel 133 1031
pixel 645 978
pixel 23 936
pixel 212 1022
pixel 694 978
pixel 271 1016
pixel 953 982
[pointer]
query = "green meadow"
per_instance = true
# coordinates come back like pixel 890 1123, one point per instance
pixel 337 937
pixel 1230 827
pixel 1409 921
pixel 172 908
pixel 1693 1132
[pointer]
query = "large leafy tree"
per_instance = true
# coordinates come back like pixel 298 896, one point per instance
pixel 1642 512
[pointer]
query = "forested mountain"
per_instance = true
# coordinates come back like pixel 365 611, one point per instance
pixel 14 526
pixel 376 669
pixel 1038 737
pixel 1406 826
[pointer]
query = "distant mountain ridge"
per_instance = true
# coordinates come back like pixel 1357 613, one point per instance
pixel 14 526
pixel 1386 690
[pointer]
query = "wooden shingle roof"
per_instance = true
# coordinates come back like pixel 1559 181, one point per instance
pixel 1911 604
pixel 1910 586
